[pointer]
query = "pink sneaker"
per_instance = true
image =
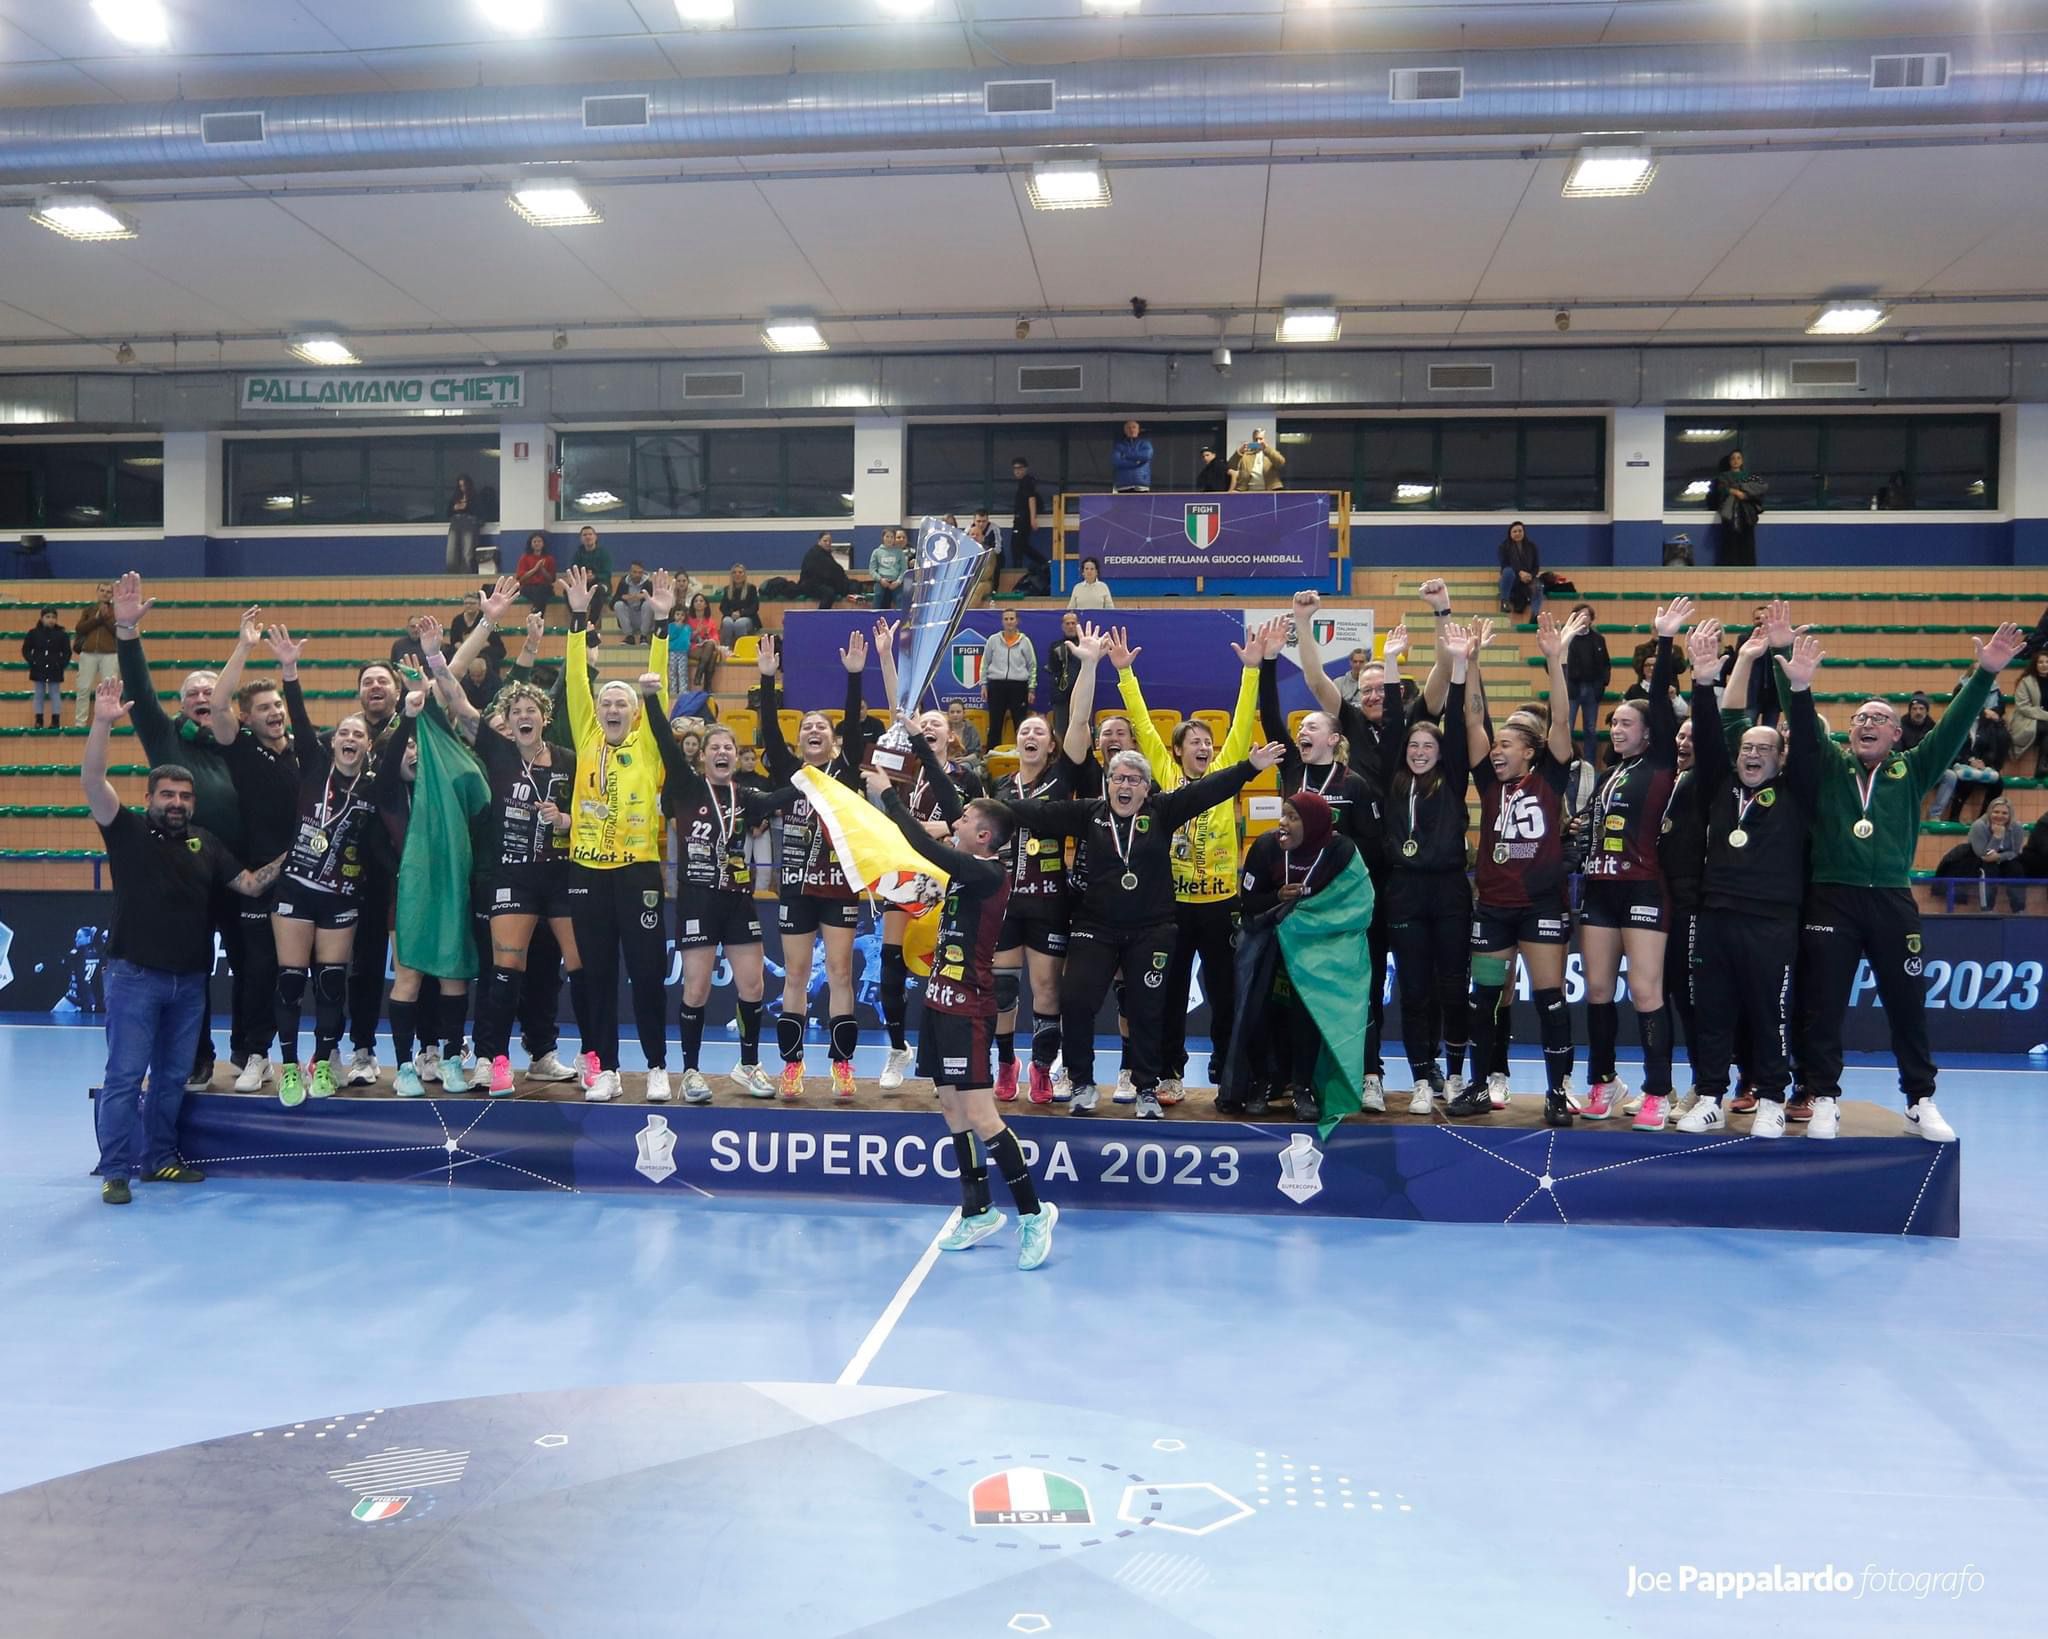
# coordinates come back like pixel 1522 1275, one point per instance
pixel 501 1076
pixel 589 1070
pixel 1006 1082
pixel 1041 1083
pixel 1600 1101
pixel 1650 1118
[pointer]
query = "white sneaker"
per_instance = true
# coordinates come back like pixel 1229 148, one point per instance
pixel 1704 1117
pixel 256 1073
pixel 752 1080
pixel 895 1066
pixel 1372 1094
pixel 363 1069
pixel 1062 1084
pixel 657 1087
pixel 1826 1121
pixel 1497 1091
pixel 696 1090
pixel 1422 1101
pixel 549 1068
pixel 1922 1118
pixel 1769 1120
pixel 1630 1101
pixel 1126 1089
pixel 468 1056
pixel 604 1089
pixel 427 1062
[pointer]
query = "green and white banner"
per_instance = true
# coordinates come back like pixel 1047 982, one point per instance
pixel 382 391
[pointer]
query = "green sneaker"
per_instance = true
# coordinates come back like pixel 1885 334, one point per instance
pixel 114 1191
pixel 177 1173
pixel 323 1079
pixel 454 1079
pixel 291 1086
pixel 968 1231
pixel 1034 1235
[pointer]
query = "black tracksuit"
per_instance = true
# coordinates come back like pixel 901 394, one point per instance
pixel 1744 942
pixel 1682 857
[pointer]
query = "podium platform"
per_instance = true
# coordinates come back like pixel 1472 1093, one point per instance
pixel 893 1148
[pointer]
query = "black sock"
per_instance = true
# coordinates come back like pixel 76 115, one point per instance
pixel 1006 1047
pixel 1454 1058
pixel 452 1013
pixel 973 1176
pixel 1603 1029
pixel 496 1009
pixel 579 1006
pixel 330 1003
pixel 1485 1022
pixel 1557 1038
pixel 789 1038
pixel 750 1031
pixel 845 1036
pixel 1045 1041
pixel 1008 1156
pixel 690 1031
pixel 404 1029
pixel 288 1002
pixel 429 1015
pixel 1656 1032
pixel 895 982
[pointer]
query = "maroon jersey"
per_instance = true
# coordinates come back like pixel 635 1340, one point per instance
pixel 1038 865
pixel 1521 834
pixel 1628 817
pixel 963 979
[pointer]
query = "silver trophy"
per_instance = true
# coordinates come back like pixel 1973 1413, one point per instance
pixel 943 573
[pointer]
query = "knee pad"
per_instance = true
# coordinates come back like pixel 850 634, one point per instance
pixel 291 985
pixel 1549 1001
pixel 330 982
pixel 894 970
pixel 1007 989
pixel 1489 972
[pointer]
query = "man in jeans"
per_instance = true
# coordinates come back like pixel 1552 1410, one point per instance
pixel 159 956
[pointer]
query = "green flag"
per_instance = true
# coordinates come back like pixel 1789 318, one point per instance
pixel 1324 941
pixel 433 924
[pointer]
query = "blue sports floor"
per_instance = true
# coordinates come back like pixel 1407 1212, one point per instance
pixel 624 1417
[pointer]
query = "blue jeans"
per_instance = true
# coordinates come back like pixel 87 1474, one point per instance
pixel 1510 580
pixel 1586 698
pixel 153 1022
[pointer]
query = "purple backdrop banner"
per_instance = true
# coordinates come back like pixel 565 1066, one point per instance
pixel 1234 537
pixel 1186 665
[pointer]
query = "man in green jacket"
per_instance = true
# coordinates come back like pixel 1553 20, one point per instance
pixel 187 740
pixel 1859 900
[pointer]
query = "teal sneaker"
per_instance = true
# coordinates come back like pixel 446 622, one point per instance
pixel 291 1086
pixel 1034 1235
pixel 407 1083
pixel 454 1079
pixel 970 1231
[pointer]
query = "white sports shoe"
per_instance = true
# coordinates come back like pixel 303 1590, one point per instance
pixel 604 1089
pixel 427 1061
pixel 752 1080
pixel 363 1069
pixel 1497 1091
pixel 1704 1117
pixel 548 1067
pixel 696 1090
pixel 468 1055
pixel 657 1087
pixel 1062 1087
pixel 1372 1095
pixel 1827 1119
pixel 256 1073
pixel 1126 1089
pixel 896 1065
pixel 1769 1120
pixel 1422 1101
pixel 1922 1118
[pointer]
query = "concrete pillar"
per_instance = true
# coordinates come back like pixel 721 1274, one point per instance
pixel 1635 485
pixel 526 453
pixel 2023 479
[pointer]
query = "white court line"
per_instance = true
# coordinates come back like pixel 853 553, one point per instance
pixel 885 1323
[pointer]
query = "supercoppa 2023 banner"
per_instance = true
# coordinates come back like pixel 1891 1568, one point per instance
pixel 1237 537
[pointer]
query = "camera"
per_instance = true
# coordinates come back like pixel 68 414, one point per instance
pixel 1023 329
pixel 1562 319
pixel 1219 355
pixel 1139 307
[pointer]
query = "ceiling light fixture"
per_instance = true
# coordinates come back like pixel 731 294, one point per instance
pixel 1308 324
pixel 136 22
pixel 705 13
pixel 793 333
pixel 1850 318
pixel 1610 173
pixel 322 347
pixel 1115 6
pixel 124 354
pixel 556 202
pixel 518 16
pixel 908 8
pixel 1068 182
pixel 81 216
pixel 1706 435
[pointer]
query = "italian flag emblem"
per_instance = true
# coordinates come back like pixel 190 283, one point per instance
pixel 1029 1496
pixel 372 1509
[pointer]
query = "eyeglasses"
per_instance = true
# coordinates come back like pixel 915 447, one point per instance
pixel 1128 779
pixel 1873 719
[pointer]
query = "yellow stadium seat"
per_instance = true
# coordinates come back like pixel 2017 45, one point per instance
pixel 745 723
pixel 979 719
pixel 789 721
pixel 1217 723
pixel 1294 720
pixel 746 650
pixel 1267 779
pixel 1164 723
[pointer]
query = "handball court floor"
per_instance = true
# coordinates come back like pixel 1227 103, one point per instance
pixel 624 1416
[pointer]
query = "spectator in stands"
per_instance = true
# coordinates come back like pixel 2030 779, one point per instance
pixel 1091 591
pixel 1256 466
pixel 2030 714
pixel 1735 498
pixel 1214 478
pixel 1997 842
pixel 966 738
pixel 822 578
pixel 983 529
pixel 468 621
pixel 1024 551
pixel 739 607
pixel 889 563
pixel 701 627
pixel 93 641
pixel 407 647
pixel 1521 572
pixel 46 646
pixel 465 524
pixel 1009 677
pixel 1131 461
pixel 1984 754
pixel 536 572
pixel 595 562
pixel 1918 720
pixel 1349 685
pixel 1588 669
pixel 1065 664
pixel 629 603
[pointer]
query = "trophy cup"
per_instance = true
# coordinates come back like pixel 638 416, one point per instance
pixel 943 572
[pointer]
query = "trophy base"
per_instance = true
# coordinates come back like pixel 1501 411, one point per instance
pixel 897 762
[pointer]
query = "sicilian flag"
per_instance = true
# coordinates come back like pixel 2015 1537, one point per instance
pixel 372 1509
pixel 1030 1496
pixel 875 857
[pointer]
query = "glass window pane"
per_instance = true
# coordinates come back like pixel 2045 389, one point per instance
pixel 139 485
pixel 1867 457
pixel 1177 452
pixel 331 484
pixel 1089 448
pixel 261 483
pixel 1319 453
pixel 949 472
pixel 596 477
pixel 668 476
pixel 75 486
pixel 820 465
pixel 742 473
pixel 477 460
pixel 1478 466
pixel 1955 464
pixel 1396 465
pixel 404 482
pixel 1563 466
pixel 17 489
pixel 1785 453
pixel 1693 447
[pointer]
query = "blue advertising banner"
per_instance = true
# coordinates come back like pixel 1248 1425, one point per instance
pixel 1187 665
pixel 1236 537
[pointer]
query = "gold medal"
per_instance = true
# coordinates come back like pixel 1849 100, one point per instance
pixel 1410 848
pixel 1738 838
pixel 1500 853
pixel 316 842
pixel 1863 828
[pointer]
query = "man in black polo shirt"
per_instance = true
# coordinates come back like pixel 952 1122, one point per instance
pixel 159 956
pixel 1024 552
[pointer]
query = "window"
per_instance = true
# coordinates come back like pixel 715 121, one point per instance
pixel 741 472
pixel 1446 464
pixel 334 483
pixel 965 470
pixel 81 486
pixel 1885 463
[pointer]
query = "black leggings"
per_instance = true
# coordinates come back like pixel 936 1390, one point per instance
pixel 1207 930
pixel 1433 965
pixel 1095 956
pixel 614 911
